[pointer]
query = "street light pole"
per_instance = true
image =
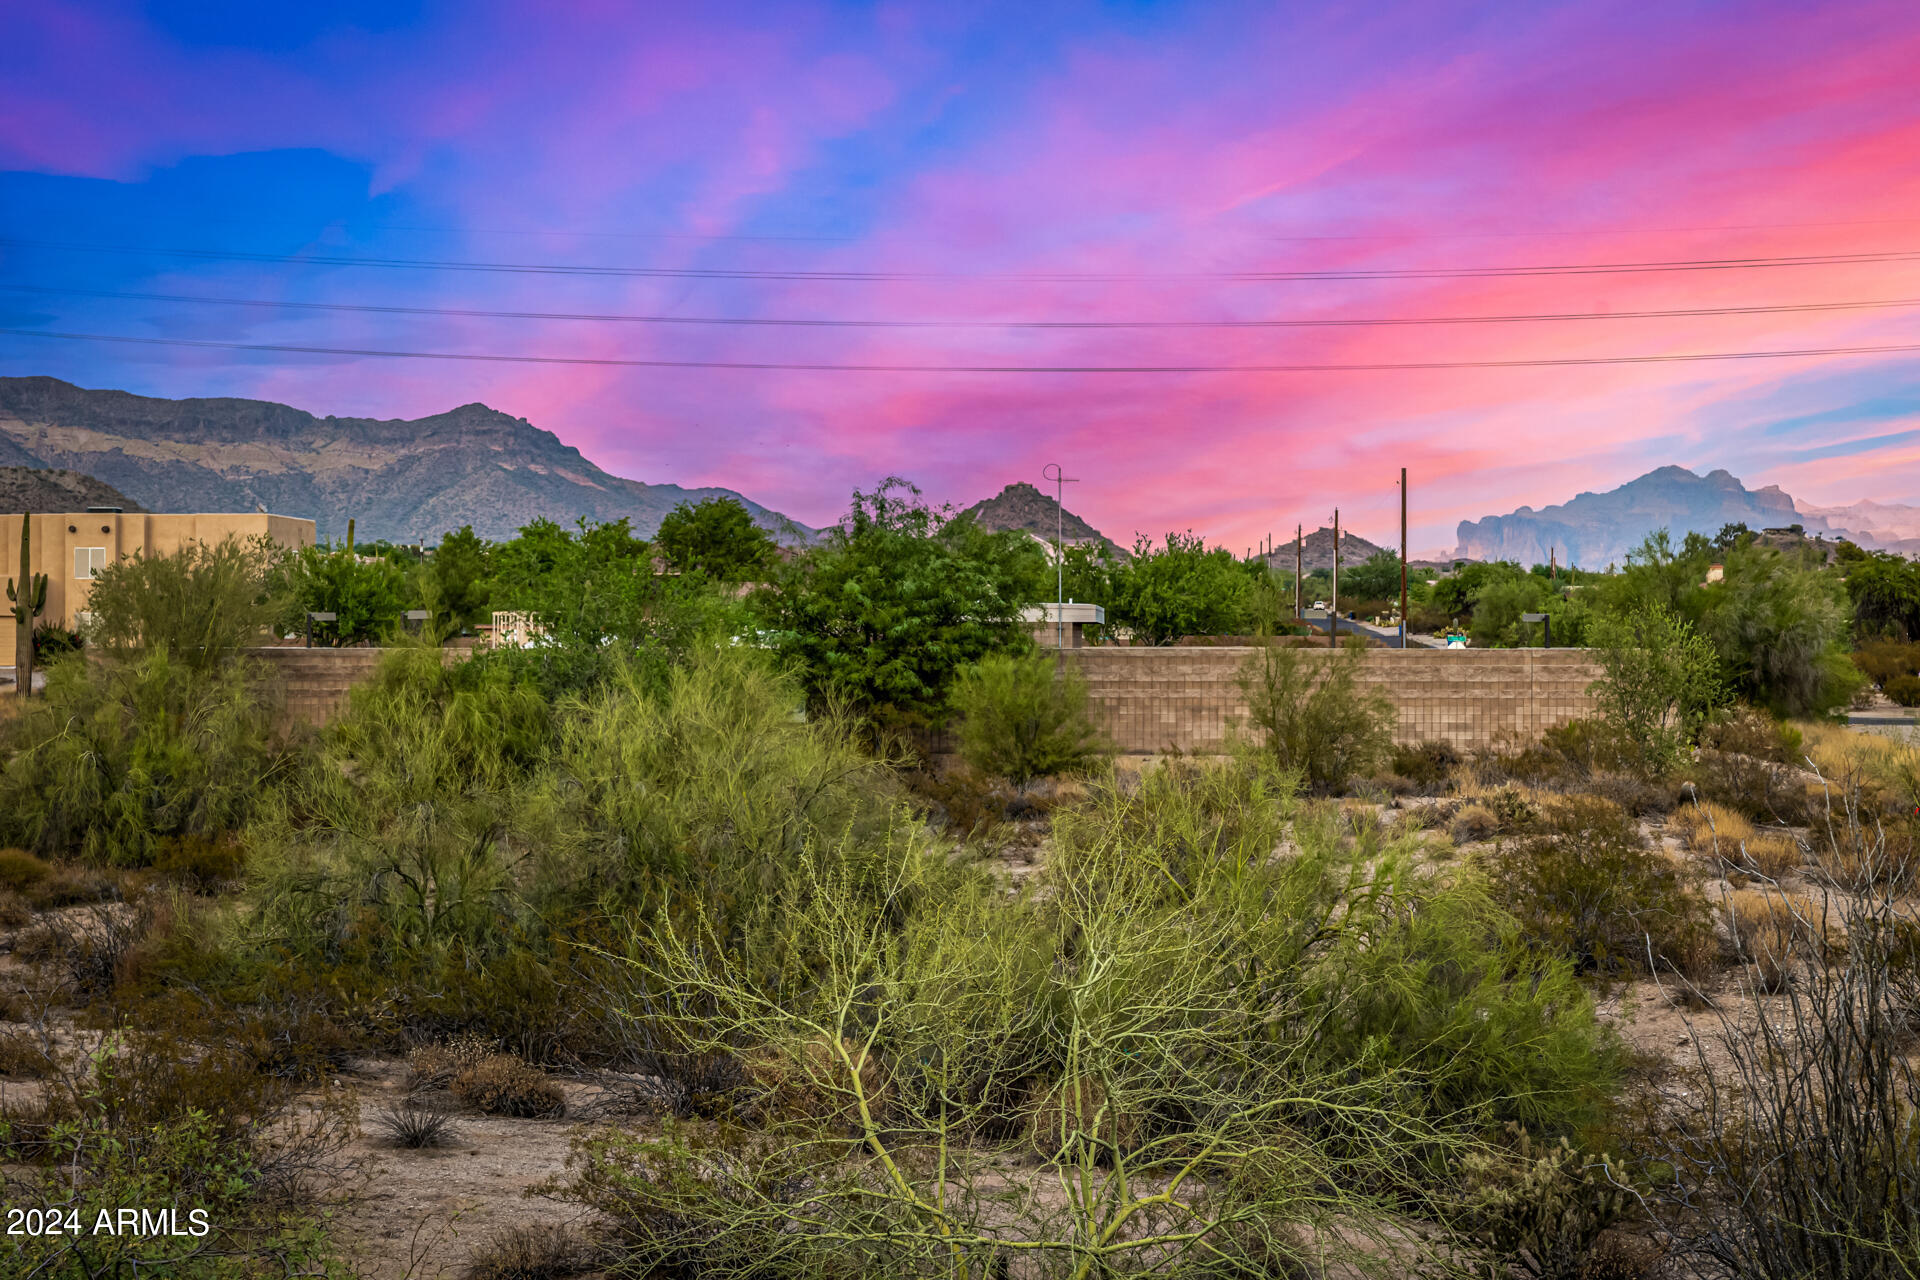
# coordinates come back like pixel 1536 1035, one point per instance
pixel 1052 471
pixel 1403 557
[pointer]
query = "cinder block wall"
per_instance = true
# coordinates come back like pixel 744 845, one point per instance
pixel 315 682
pixel 1151 700
pixel 1156 699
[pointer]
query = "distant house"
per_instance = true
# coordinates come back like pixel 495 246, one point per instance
pixel 71 547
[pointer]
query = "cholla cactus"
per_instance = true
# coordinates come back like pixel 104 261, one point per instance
pixel 28 596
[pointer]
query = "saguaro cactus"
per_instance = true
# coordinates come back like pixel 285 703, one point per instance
pixel 28 596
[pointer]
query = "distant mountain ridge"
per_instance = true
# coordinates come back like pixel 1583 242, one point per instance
pixel 1593 530
pixel 399 479
pixel 30 489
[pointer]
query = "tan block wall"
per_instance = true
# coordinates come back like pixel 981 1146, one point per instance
pixel 57 534
pixel 1155 699
pixel 1151 700
pixel 315 682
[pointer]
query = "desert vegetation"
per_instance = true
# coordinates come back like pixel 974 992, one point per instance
pixel 686 923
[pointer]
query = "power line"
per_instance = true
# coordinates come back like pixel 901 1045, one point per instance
pixel 1796 308
pixel 810 367
pixel 858 277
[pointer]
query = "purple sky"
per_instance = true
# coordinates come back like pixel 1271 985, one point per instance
pixel 988 168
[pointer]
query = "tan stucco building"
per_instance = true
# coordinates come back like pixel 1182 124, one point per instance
pixel 71 547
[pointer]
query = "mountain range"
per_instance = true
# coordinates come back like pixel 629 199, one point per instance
pixel 401 480
pixel 1594 530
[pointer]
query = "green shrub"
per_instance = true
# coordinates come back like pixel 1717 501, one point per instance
pixel 1662 681
pixel 1313 717
pixel 198 862
pixel 1585 885
pixel 201 604
pixel 20 870
pixel 1023 718
pixel 1904 690
pixel 120 756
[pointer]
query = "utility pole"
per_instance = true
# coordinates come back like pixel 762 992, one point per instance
pixel 1299 543
pixel 1061 480
pixel 1333 612
pixel 1403 557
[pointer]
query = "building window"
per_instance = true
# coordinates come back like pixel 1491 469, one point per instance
pixel 88 561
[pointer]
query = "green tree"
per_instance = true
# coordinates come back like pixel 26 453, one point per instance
pixel 456 577
pixel 1781 632
pixel 1377 578
pixel 1662 681
pixel 1024 717
pixel 201 603
pixel 1456 594
pixel 1179 589
pixel 366 596
pixel 597 602
pixel 896 600
pixel 717 537
pixel 1885 591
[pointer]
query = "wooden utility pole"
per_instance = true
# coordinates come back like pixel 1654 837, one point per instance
pixel 1333 611
pixel 1299 542
pixel 1403 557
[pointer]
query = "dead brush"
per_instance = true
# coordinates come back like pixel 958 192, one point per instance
pixel 434 1066
pixel 503 1085
pixel 1721 833
pixel 1775 931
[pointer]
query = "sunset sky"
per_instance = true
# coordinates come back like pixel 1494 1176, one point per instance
pixel 955 176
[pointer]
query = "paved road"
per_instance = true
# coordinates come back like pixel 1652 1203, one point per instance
pixel 1894 722
pixel 1389 636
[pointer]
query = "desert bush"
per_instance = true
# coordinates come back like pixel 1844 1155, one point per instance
pixel 702 798
pixel 1313 717
pixel 1024 717
pixel 503 1085
pixel 153 1121
pixel 1585 885
pixel 1427 765
pixel 1142 1016
pixel 1774 932
pixel 20 870
pixel 200 605
pixel 434 1066
pixel 72 886
pixel 532 1251
pixel 1662 682
pixel 1797 1153
pixel 1706 827
pixel 1904 690
pixel 14 910
pixel 200 863
pixel 25 1054
pixel 118 757
pixel 416 1123
pixel 1537 1209
pixel 1884 660
pixel 1474 822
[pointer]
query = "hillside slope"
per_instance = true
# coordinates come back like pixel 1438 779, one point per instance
pixel 399 479
pixel 29 489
